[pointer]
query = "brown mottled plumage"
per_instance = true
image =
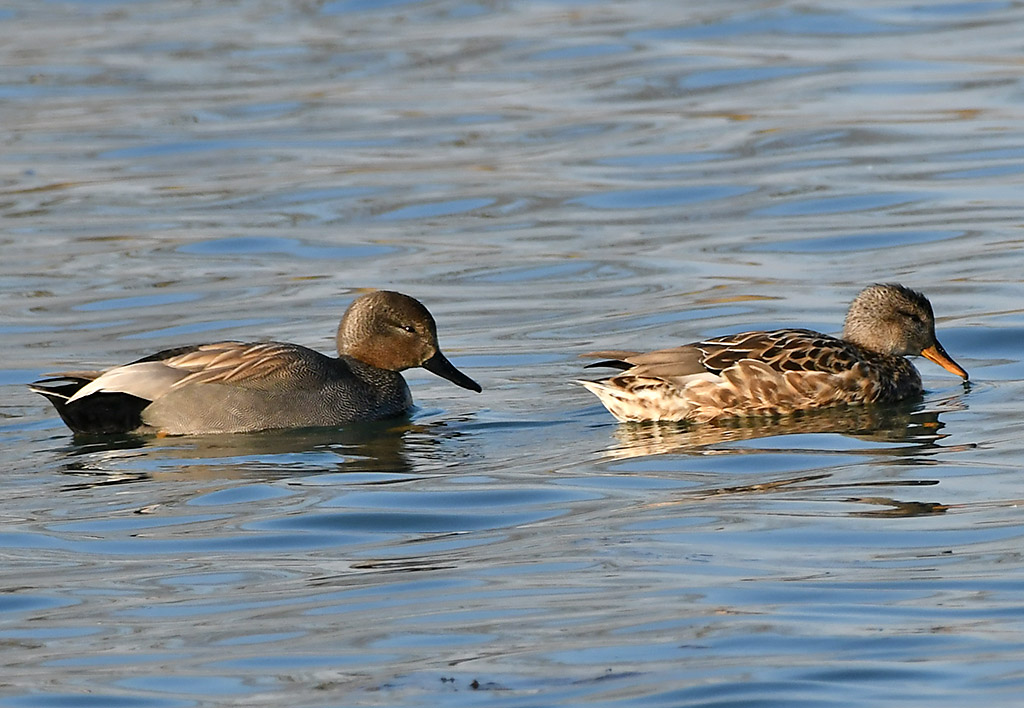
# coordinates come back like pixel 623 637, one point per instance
pixel 228 387
pixel 783 371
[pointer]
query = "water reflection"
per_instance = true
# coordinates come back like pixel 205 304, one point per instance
pixel 815 484
pixel 894 507
pixel 394 447
pixel 894 425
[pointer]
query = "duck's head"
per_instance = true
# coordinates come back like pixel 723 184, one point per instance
pixel 393 331
pixel 893 319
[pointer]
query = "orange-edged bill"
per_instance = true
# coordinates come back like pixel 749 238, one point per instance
pixel 937 354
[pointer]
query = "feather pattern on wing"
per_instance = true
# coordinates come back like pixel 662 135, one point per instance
pixel 236 363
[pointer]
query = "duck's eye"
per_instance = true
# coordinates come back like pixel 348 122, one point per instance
pixel 408 328
pixel 915 317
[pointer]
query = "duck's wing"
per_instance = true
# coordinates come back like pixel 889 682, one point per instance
pixel 239 364
pixel 781 350
pixel 665 364
pixel 798 350
pixel 247 365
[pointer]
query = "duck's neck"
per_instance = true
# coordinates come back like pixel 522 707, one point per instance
pixel 875 336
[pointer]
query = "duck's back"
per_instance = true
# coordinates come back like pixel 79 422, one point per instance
pixel 861 375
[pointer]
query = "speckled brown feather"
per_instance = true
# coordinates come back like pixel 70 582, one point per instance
pixel 782 371
pixel 752 373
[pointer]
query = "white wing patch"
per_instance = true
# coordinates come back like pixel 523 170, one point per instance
pixel 147 380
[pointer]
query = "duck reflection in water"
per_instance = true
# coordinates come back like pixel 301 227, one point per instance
pixel 901 432
pixel 398 447
pixel 897 423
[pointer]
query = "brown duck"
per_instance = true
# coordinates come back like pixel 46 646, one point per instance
pixel 782 371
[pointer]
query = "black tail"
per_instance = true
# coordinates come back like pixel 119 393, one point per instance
pixel 100 413
pixel 610 364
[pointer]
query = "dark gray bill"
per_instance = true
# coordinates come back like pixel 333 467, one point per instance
pixel 437 364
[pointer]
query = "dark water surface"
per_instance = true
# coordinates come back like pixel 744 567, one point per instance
pixel 549 178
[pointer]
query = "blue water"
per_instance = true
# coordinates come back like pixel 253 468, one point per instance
pixel 549 178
